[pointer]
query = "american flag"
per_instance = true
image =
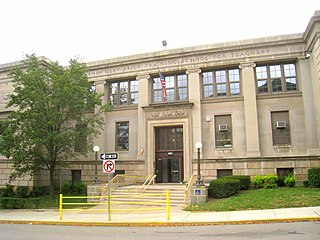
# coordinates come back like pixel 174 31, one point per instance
pixel 163 84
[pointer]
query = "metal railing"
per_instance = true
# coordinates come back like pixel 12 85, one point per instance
pixel 162 203
pixel 147 183
pixel 187 192
pixel 125 180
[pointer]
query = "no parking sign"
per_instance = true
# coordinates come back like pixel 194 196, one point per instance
pixel 109 166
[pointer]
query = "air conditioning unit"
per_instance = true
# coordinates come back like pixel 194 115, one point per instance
pixel 281 124
pixel 223 127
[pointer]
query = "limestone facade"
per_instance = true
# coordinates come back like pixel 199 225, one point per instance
pixel 248 105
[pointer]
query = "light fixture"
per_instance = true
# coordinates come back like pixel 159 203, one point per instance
pixel 308 55
pixel 164 44
pixel 198 147
pixel 96 180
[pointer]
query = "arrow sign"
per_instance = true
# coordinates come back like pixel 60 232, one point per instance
pixel 105 156
pixel 109 166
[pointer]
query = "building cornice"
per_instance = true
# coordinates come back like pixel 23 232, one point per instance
pixel 312 32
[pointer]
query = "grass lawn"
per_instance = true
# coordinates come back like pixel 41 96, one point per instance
pixel 263 199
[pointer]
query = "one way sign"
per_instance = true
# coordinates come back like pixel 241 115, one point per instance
pixel 105 156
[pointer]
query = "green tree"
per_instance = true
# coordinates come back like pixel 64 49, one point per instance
pixel 48 102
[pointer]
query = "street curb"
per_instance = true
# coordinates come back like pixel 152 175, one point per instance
pixel 159 224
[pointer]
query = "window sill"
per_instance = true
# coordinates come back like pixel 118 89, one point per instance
pixel 282 149
pixel 282 146
pixel 224 148
pixel 279 95
pixel 222 99
pixel 124 107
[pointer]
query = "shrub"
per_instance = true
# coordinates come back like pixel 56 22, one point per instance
pixel 222 188
pixel 66 188
pixel 258 181
pixel 281 181
pixel 314 177
pixel 8 191
pixel 22 192
pixel 306 184
pixel 77 188
pixel 290 180
pixel 244 181
pixel 18 203
pixel 38 191
pixel 270 181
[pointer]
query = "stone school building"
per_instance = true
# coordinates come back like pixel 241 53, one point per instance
pixel 254 105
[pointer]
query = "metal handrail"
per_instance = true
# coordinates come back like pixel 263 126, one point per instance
pixel 123 180
pixel 187 192
pixel 146 184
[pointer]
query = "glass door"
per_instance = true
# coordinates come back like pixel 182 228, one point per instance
pixel 169 154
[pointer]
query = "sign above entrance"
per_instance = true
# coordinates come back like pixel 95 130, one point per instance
pixel 112 155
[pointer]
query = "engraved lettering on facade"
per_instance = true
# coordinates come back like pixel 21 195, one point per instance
pixel 179 61
pixel 167 114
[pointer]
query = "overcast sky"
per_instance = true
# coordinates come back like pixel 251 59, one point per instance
pixel 100 29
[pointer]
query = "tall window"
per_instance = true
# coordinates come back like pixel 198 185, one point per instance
pixel 124 92
pixel 176 87
pixel 280 128
pixel 223 130
pixel 122 136
pixel 219 83
pixel 276 78
pixel 81 138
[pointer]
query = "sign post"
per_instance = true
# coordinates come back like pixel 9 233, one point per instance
pixel 108 167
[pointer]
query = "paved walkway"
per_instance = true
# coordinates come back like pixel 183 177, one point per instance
pixel 139 218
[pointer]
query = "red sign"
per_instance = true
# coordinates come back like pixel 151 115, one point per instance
pixel 109 166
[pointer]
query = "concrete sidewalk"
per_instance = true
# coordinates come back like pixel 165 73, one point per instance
pixel 158 218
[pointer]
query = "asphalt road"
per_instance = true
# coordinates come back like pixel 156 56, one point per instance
pixel 274 231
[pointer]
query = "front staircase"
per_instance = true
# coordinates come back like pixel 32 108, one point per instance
pixel 133 193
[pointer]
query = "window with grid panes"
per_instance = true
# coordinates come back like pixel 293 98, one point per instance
pixel 124 92
pixel 122 136
pixel 280 128
pixel 276 78
pixel 176 88
pixel 81 138
pixel 223 130
pixel 220 83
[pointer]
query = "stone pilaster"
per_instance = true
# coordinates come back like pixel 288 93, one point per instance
pixel 307 86
pixel 101 139
pixel 194 85
pixel 250 109
pixel 143 101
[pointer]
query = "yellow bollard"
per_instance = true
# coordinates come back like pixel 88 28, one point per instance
pixel 60 207
pixel 168 205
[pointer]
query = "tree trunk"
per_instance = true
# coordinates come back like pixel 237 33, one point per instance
pixel 51 184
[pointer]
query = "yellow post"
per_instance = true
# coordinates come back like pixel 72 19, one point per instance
pixel 168 205
pixel 110 207
pixel 60 207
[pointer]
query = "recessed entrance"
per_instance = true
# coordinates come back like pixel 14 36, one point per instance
pixel 169 154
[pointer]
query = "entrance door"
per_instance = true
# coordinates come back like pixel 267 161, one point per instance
pixel 169 154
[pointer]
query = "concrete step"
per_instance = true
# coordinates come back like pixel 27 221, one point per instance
pixel 133 193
